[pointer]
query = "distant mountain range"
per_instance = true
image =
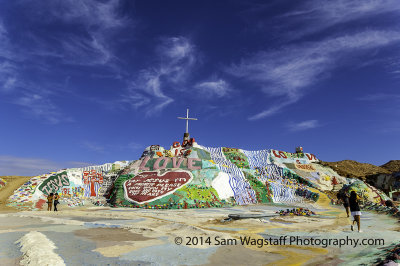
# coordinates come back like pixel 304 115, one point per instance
pixel 350 168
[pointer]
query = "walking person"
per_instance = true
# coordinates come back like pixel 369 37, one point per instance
pixel 49 201
pixel 56 202
pixel 345 201
pixel 355 210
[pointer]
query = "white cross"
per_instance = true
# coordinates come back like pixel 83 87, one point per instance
pixel 187 120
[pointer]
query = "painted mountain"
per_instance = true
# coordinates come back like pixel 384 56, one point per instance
pixel 188 175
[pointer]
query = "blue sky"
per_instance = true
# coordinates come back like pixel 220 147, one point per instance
pixel 90 82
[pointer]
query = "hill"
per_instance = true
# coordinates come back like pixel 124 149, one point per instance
pixel 12 183
pixel 392 166
pixel 350 168
pixel 190 175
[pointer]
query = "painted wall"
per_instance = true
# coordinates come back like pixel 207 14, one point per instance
pixel 220 175
pixel 188 175
pixel 74 184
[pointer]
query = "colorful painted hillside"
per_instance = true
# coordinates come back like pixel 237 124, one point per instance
pixel 188 175
pixel 2 183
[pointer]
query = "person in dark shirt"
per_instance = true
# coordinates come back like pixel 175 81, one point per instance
pixel 355 210
pixel 345 201
pixel 56 201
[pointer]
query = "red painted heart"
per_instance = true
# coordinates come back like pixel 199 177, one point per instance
pixel 149 186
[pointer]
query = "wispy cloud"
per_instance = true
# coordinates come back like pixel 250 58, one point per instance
pixel 89 27
pixel 41 107
pixel 311 17
pixel 304 125
pixel 97 21
pixel 12 165
pixel 94 146
pixel 134 146
pixel 91 13
pixel 175 59
pixel 290 72
pixel 129 146
pixel 379 97
pixel 34 100
pixel 213 88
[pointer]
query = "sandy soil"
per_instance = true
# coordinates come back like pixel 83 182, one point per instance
pixel 13 183
pixel 99 235
pixel 124 236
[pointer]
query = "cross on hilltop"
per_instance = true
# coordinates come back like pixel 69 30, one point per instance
pixel 187 118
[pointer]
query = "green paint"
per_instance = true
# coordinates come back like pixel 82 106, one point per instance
pixel 54 183
pixel 236 157
pixel 198 195
pixel 263 192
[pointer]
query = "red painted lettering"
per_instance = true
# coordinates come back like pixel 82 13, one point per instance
pixel 311 156
pixel 275 154
pixel 282 154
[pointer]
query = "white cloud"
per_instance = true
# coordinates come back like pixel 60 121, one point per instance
pixel 290 71
pixel 176 58
pixel 8 75
pixel 90 51
pixel 10 82
pixel 90 44
pixel 91 13
pixel 11 165
pixel 304 125
pixel 312 16
pixel 176 49
pixel 94 23
pixel 40 106
pixel 270 111
pixel 215 87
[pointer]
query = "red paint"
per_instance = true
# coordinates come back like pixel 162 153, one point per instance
pixel 276 155
pixel 91 178
pixel 282 154
pixel 92 191
pixel 39 203
pixel 311 156
pixel 149 186
pixel 185 143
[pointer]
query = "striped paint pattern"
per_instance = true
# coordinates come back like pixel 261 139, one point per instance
pixel 243 193
pixel 272 174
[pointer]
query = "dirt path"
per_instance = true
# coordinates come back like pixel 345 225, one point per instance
pixel 13 183
pixel 122 236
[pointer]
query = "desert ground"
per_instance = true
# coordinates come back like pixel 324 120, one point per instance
pixel 92 235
